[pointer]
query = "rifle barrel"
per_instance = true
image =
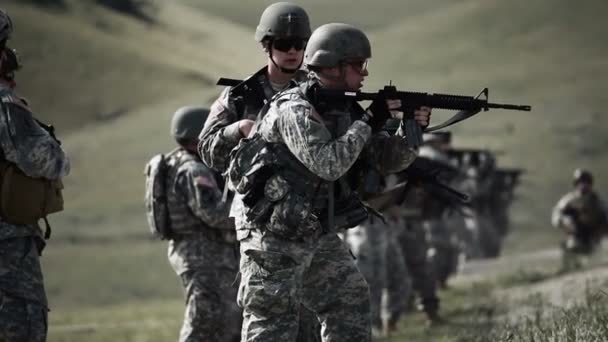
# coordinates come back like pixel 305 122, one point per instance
pixel 524 108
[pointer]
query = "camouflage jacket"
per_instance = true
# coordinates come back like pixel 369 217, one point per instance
pixel 24 143
pixel 196 210
pixel 293 121
pixel 580 208
pixel 32 149
pixel 221 132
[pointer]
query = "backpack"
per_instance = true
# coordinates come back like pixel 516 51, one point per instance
pixel 157 210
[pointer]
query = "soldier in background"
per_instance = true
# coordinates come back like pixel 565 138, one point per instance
pixel 581 215
pixel 414 246
pixel 398 283
pixel 37 154
pixel 368 243
pixel 479 167
pixel 444 248
pixel 202 243
pixel 503 187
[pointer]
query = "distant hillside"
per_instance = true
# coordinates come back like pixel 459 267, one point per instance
pixel 365 14
pixel 86 63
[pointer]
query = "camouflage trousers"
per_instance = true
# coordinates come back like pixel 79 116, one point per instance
pixel 278 276
pixel 414 247
pixel 211 310
pixel 22 320
pixel 398 287
pixel 368 242
pixel 444 251
pixel 23 309
pixel 208 271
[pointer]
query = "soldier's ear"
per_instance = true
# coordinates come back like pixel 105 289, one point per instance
pixel 266 45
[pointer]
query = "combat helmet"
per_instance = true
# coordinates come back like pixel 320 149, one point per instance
pixel 582 176
pixel 6 27
pixel 333 44
pixel 283 20
pixel 187 123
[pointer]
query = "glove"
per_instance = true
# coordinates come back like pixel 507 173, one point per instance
pixel 380 112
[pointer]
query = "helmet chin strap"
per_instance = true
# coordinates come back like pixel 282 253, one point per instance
pixel 284 70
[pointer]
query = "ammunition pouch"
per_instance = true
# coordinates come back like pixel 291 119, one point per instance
pixel 25 200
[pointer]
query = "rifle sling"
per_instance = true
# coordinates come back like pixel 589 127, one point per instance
pixel 456 118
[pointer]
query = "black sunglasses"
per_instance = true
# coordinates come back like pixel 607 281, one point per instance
pixel 285 45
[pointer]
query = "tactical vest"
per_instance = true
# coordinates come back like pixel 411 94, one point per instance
pixel 281 194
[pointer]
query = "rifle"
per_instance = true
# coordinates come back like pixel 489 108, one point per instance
pixel 428 174
pixel 411 101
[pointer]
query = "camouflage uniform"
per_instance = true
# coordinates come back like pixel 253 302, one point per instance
pixel 202 250
pixel 444 248
pixel 221 134
pixel 398 287
pixel 23 302
pixel 479 165
pixel 291 258
pixel 424 281
pixel 583 218
pixel 368 243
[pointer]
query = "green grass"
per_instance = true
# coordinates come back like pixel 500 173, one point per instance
pixel 148 321
pixel 105 274
pixel 586 321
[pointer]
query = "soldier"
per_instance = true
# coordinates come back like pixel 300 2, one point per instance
pixel 398 286
pixel 378 257
pixel 283 31
pixel 296 195
pixel 480 166
pixel 444 249
pixel 414 247
pixel 37 154
pixel 411 236
pixel 581 214
pixel 202 244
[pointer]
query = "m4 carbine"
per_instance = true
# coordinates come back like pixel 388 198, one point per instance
pixel 411 101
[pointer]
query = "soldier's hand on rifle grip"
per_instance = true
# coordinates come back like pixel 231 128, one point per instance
pixel 394 107
pixel 378 112
pixel 423 116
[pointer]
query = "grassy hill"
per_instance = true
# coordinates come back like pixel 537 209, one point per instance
pixel 110 83
pixel 86 64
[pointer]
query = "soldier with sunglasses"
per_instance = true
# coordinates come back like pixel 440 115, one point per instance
pixel 283 31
